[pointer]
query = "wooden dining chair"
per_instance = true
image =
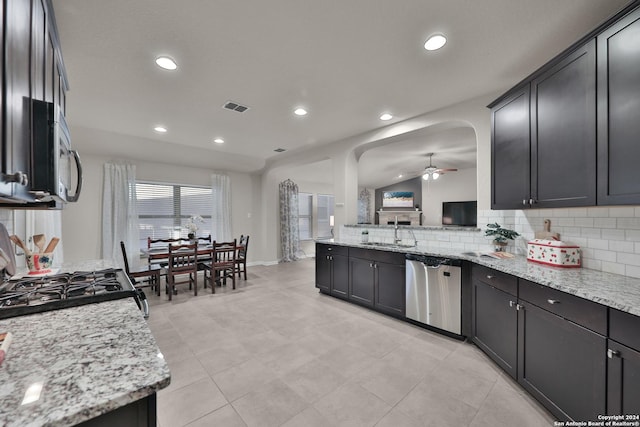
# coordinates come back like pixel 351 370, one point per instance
pixel 182 260
pixel 161 257
pixel 222 265
pixel 241 256
pixel 149 274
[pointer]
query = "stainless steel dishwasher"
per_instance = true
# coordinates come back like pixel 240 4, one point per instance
pixel 433 292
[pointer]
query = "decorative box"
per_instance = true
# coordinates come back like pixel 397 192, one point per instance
pixel 553 252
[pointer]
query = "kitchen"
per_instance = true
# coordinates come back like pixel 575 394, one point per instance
pixel 606 232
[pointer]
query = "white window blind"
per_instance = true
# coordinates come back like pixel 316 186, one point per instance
pixel 164 209
pixel 305 209
pixel 325 211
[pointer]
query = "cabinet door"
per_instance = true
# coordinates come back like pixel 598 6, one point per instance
pixel 17 72
pixel 623 383
pixel 510 152
pixel 390 288
pixel 561 364
pixel 361 279
pixel 495 325
pixel 340 273
pixel 618 106
pixel 38 49
pixel 323 272
pixel 563 132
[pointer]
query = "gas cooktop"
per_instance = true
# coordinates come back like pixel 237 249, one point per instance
pixel 37 294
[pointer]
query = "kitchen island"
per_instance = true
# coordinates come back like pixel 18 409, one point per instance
pixel 69 366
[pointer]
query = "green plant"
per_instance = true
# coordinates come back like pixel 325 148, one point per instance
pixel 499 234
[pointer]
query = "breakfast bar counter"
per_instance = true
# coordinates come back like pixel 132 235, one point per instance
pixel 67 366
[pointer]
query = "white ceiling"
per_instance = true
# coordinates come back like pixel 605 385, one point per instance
pixel 347 61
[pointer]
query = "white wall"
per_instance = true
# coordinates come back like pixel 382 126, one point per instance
pixel 457 186
pixel 82 221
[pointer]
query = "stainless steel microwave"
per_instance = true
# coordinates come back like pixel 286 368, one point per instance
pixel 56 171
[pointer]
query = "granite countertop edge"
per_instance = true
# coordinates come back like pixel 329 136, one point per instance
pixel 609 289
pixel 91 360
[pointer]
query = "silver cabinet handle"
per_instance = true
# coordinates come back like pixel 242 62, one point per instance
pixel 524 202
pixel 375 265
pixel 553 301
pixel 612 353
pixel 371 264
pixel 490 276
pixel 329 249
pixel 519 307
pixel 512 303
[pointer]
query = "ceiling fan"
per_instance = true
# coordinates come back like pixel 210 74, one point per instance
pixel 434 172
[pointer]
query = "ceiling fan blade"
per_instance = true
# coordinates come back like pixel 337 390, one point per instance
pixel 446 170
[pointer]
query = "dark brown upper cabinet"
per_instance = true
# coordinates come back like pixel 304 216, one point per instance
pixel 575 143
pixel 619 112
pixel 563 132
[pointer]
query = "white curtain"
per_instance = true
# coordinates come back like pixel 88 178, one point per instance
pixel 120 213
pixel 48 223
pixel 289 216
pixel 221 215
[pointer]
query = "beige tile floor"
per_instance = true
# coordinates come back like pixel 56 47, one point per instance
pixel 275 352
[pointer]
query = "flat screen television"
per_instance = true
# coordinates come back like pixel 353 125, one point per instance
pixel 460 213
pixel 397 199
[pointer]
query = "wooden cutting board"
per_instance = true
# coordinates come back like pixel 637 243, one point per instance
pixel 547 233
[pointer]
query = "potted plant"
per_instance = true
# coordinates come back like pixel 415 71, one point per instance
pixel 500 235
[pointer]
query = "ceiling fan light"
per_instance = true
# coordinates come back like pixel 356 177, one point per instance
pixel 436 175
pixel 425 177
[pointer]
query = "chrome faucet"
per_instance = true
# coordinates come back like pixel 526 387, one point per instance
pixel 415 241
pixel 396 241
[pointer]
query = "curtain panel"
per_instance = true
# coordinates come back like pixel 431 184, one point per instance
pixel 120 213
pixel 289 217
pixel 221 215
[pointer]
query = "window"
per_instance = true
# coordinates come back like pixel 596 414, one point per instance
pixel 325 212
pixel 164 209
pixel 305 209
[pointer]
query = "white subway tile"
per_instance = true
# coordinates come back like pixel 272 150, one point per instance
pixel 629 223
pixel 558 213
pixel 578 212
pixel 598 212
pixel 629 259
pixel 637 247
pixel 564 222
pixel 612 267
pixel 632 271
pixel 622 211
pixel 583 222
pixel 603 255
pixel 621 246
pixel 610 234
pixel 633 235
pixel 591 232
pixel 605 222
pixel 598 244
pixel 592 264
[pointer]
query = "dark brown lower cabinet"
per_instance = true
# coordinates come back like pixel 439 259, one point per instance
pixel 361 281
pixel 332 270
pixel 561 364
pixel 494 325
pixel 623 380
pixel 389 287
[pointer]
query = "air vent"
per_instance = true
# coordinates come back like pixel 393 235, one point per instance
pixel 234 106
pixel 279 150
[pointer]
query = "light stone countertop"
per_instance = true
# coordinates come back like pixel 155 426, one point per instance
pixel 612 290
pixel 90 360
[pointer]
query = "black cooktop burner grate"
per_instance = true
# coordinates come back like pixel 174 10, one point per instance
pixel 36 294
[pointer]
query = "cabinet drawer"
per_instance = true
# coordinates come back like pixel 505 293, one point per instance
pixel 497 279
pixel 376 255
pixel 579 310
pixel 324 249
pixel 624 327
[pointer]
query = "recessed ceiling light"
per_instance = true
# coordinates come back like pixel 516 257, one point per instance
pixel 300 111
pixel 219 141
pixel 435 42
pixel 386 116
pixel 166 63
pixel 160 129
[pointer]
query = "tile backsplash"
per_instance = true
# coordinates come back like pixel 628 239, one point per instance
pixel 609 236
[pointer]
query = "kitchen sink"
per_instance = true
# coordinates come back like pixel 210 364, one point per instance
pixel 387 245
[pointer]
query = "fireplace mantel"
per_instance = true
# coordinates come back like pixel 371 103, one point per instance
pixel 404 217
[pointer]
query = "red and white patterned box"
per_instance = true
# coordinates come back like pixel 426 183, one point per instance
pixel 554 252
